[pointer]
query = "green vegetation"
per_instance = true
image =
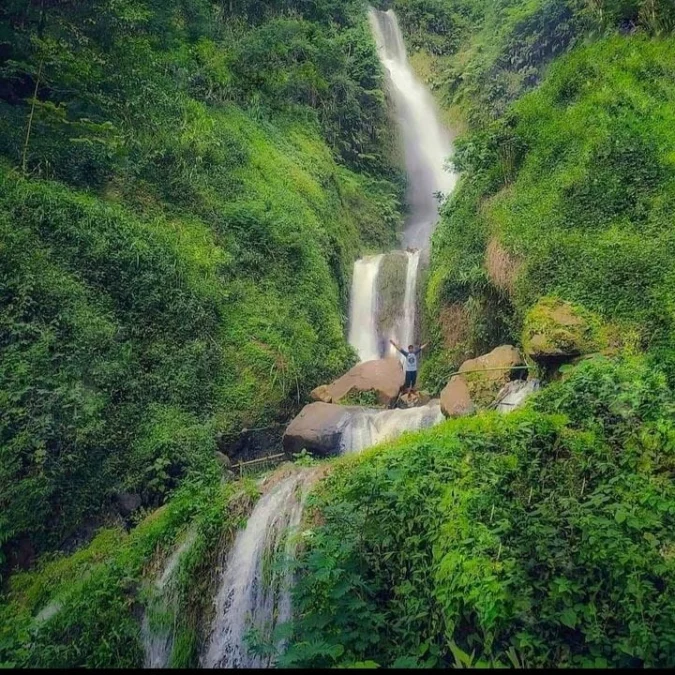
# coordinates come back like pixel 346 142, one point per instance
pixel 543 538
pixel 98 594
pixel 554 328
pixel 567 180
pixel 183 189
pixel 391 278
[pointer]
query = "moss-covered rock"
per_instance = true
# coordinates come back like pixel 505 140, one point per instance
pixel 391 281
pixel 556 330
pixel 486 375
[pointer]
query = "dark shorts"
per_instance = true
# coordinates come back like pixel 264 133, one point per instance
pixel 410 378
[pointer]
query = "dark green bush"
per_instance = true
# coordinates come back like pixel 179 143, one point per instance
pixel 544 537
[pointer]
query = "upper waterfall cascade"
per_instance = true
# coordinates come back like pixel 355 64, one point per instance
pixel 427 146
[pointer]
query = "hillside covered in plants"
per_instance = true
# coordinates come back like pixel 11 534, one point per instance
pixel 184 188
pixel 566 156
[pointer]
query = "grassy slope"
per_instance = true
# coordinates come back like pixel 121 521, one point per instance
pixel 566 189
pixel 542 539
pixel 177 264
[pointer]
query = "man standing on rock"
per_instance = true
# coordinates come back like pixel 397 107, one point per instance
pixel 410 364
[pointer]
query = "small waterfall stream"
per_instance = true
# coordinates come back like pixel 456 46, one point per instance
pixel 253 595
pixel 158 642
pixel 363 334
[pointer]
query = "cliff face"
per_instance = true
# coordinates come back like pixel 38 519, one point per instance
pixel 184 188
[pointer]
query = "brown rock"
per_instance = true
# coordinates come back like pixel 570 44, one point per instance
pixel 321 393
pixel 318 429
pixel 487 374
pixel 383 376
pixel 456 398
pixel 128 502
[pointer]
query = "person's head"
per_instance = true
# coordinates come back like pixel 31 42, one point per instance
pixel 411 348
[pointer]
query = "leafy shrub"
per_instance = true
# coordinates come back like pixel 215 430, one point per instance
pixel 536 537
pixel 177 237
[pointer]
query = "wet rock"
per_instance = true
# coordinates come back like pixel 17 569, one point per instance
pixel 487 374
pixel 556 331
pixel 456 398
pixel 383 376
pixel 128 502
pixel 318 429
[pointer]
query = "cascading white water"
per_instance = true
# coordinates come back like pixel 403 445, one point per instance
pixel 158 642
pixel 515 394
pixel 371 427
pixel 427 146
pixel 250 595
pixel 426 142
pixel 363 311
pixel 253 595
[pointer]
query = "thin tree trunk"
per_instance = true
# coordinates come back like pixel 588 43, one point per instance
pixel 24 159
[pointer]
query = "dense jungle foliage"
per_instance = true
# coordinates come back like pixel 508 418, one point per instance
pixel 544 538
pixel 568 182
pixel 184 187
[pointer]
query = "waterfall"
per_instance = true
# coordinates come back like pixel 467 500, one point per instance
pixel 158 642
pixel 426 143
pixel 363 311
pixel 371 427
pixel 366 308
pixel 253 594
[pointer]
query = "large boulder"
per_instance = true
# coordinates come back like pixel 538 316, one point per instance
pixel 383 376
pixel 318 429
pixel 486 375
pixel 555 330
pixel 456 398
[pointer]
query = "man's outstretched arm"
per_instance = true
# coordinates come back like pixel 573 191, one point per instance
pixel 424 346
pixel 397 348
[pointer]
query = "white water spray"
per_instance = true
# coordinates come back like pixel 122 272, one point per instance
pixel 405 330
pixel 253 595
pixel 427 144
pixel 363 311
pixel 371 427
